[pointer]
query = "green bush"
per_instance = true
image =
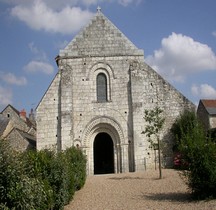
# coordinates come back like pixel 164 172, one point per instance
pixel 17 190
pixel 68 175
pixel 63 171
pixel 183 125
pixel 9 172
pixel 212 134
pixel 37 163
pixel 76 157
pixel 61 178
pixel 201 176
pixel 39 180
pixel 200 154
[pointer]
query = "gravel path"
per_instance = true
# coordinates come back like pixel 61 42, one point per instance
pixel 134 191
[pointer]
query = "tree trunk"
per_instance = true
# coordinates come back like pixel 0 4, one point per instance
pixel 159 159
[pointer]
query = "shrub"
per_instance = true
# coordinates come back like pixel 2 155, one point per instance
pixel 17 190
pixel 199 153
pixel 37 163
pixel 39 180
pixel 69 174
pixel 76 157
pixel 65 172
pixel 201 176
pixel 61 178
pixel 9 172
pixel 212 134
pixel 183 125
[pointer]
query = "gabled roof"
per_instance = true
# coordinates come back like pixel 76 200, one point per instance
pixel 15 110
pixel 100 38
pixel 210 106
pixel 28 122
pixel 30 138
pixel 3 124
pixel 26 136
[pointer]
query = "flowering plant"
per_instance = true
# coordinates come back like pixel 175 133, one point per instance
pixel 180 162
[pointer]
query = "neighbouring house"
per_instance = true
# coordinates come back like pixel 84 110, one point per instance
pixel 206 112
pixel 97 101
pixel 18 129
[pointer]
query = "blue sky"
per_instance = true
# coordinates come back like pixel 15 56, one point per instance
pixel 178 38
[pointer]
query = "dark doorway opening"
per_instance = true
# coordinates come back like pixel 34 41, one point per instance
pixel 103 154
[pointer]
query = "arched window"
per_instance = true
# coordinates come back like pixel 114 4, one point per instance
pixel 101 87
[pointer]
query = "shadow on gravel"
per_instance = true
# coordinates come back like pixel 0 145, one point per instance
pixel 172 197
pixel 125 177
pixel 129 177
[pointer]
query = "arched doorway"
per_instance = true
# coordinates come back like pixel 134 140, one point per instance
pixel 103 154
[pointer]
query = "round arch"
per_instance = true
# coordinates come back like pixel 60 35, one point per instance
pixel 94 71
pixel 100 65
pixel 110 127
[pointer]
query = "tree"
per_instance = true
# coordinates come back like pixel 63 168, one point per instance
pixel 155 124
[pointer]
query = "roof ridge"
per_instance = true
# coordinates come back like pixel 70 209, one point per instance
pixel 12 108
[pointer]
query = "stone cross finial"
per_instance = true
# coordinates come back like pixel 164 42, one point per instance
pixel 98 9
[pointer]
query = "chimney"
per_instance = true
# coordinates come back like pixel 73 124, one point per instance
pixel 23 114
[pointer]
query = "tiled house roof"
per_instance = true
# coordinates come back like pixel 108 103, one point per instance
pixel 210 106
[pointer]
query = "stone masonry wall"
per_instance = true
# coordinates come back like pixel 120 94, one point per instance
pixel 17 142
pixel 80 88
pixel 148 91
pixel 47 117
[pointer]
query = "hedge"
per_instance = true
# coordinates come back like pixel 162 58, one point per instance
pixel 39 179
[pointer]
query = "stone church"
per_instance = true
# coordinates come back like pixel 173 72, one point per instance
pixel 97 101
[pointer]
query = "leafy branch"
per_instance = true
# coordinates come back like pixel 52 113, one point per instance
pixel 155 124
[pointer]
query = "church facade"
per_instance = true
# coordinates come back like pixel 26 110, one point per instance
pixel 97 101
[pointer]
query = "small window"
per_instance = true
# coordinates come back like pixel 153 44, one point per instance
pixel 101 87
pixel 8 115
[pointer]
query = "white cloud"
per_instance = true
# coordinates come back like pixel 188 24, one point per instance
pixel 65 16
pixel 39 54
pixel 54 4
pixel 5 96
pixel 203 91
pixel 40 61
pixel 214 33
pixel 15 2
pixel 39 16
pixel 127 2
pixel 180 55
pixel 57 4
pixel 33 48
pixel 12 79
pixel 39 66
